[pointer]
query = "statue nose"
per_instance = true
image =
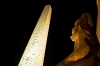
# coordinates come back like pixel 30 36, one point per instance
pixel 72 38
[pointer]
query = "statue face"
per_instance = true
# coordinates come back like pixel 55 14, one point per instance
pixel 73 37
pixel 74 32
pixel 78 35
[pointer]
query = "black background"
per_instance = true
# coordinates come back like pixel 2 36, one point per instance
pixel 20 18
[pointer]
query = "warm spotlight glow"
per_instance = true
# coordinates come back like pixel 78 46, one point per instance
pixel 98 20
pixel 35 49
pixel 97 2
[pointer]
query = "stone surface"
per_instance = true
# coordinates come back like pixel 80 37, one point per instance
pixel 35 49
pixel 92 45
pixel 86 44
pixel 98 20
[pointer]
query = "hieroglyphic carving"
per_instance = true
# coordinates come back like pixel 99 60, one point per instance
pixel 35 49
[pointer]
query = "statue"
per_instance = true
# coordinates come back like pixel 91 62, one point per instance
pixel 86 45
pixel 86 42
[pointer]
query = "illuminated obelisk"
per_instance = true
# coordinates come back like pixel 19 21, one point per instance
pixel 98 20
pixel 35 50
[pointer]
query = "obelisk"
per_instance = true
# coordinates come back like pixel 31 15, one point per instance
pixel 35 50
pixel 98 20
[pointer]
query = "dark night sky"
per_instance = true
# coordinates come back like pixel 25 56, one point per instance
pixel 21 18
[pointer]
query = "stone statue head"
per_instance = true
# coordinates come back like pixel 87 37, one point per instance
pixel 79 34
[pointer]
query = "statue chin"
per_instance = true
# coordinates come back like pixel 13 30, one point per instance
pixel 73 39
